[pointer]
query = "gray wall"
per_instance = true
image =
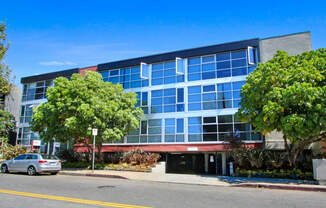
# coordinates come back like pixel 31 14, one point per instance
pixel 12 102
pixel 293 44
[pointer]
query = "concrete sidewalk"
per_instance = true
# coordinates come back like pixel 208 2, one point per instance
pixel 210 180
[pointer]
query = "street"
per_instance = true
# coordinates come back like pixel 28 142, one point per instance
pixel 19 191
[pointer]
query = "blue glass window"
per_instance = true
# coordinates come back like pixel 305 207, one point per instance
pixel 208 75
pixel 180 95
pixel 180 125
pixel 208 67
pixel 114 72
pixel 239 63
pixel 206 59
pixel 194 106
pixel 192 61
pixel 238 54
pixel 224 73
pixel 239 71
pixel 194 69
pixel 194 89
pixel 223 65
pixel 157 74
pixel 209 88
pixel 157 81
pixel 222 56
pixel 194 77
pixel 157 93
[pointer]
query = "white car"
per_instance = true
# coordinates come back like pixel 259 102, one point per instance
pixel 32 164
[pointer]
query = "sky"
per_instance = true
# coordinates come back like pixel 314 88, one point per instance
pixel 47 36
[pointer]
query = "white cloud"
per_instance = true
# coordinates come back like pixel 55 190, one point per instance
pixel 57 63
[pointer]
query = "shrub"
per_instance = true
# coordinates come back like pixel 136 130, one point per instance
pixel 139 157
pixel 9 151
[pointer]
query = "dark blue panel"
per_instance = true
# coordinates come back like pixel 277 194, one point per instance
pixel 192 61
pixel 169 92
pixel 144 83
pixel 194 98
pixel 238 85
pixel 239 71
pixel 194 106
pixel 169 100
pixel 180 125
pixel 223 73
pixel 135 84
pixel 157 74
pixel 157 81
pixel 222 56
pixel 169 122
pixel 208 67
pixel 195 68
pixel 157 93
pixel 156 67
pixel 157 101
pixel 114 72
pixel 168 65
pixel 194 89
pixel 239 63
pixel 170 80
pixel 223 65
pixel 193 77
pixel 209 88
pixel 105 74
pixel 180 107
pixel 180 95
pixel 156 109
pixel 169 72
pixel 169 108
pixel 239 54
pixel 208 75
pixel 180 78
pixel 224 87
pixel 206 59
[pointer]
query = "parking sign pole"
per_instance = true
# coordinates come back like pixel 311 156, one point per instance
pixel 94 132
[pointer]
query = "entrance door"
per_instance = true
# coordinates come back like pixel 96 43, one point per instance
pixel 219 164
pixel 211 164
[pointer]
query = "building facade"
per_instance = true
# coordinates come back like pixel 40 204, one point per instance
pixel 189 98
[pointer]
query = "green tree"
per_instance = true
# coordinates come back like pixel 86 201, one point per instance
pixel 7 124
pixel 5 85
pixel 77 105
pixel 288 94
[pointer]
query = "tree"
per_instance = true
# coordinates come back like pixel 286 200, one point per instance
pixel 77 105
pixel 288 94
pixel 7 124
pixel 5 85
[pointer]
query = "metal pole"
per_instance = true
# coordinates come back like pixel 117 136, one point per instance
pixel 29 142
pixel 93 159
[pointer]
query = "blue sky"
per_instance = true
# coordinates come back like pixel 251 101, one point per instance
pixel 47 36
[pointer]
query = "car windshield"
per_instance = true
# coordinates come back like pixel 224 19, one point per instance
pixel 50 157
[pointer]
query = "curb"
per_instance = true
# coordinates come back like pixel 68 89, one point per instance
pixel 93 175
pixel 285 187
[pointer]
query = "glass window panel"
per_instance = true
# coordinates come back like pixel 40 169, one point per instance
pixel 224 95
pixel 209 128
pixel 105 74
pixel 135 70
pixel 194 69
pixel 209 137
pixel 192 61
pixel 169 138
pixel 223 65
pixel 157 93
pixel 40 84
pixel 125 78
pixel 144 83
pixel 180 95
pixel 194 77
pixel 135 77
pixel 209 105
pixel 209 119
pixel 194 129
pixel 239 54
pixel 154 130
pixel 224 87
pixel 157 81
pixel 238 85
pixel 236 103
pixel 156 109
pixel 169 100
pixel 169 122
pixel 126 85
pixel 169 130
pixel 155 122
pixel 251 69
pixel 179 66
pixel 209 96
pixel 194 90
pixel 105 79
pixel 208 59
pixel 224 73
pixel 169 108
pixel 180 125
pixel 169 72
pixel 194 98
pixel 208 67
pixel 194 106
pixel 114 80
pixel 114 72
pixel 154 139
pixel 170 80
pixel 135 84
pixel 180 138
pixel 239 63
pixel 194 120
pixel 225 128
pixel 180 107
pixel 157 74
pixel 132 139
pixel 145 110
pixel 239 71
pixel 143 139
pixel 144 70
pixel 156 67
pixel 209 75
pixel 180 78
pixel 236 94
pixel 256 137
pixel 252 55
pixel 209 88
pixel 143 129
pixel 170 92
pixel 170 64
pixel 144 98
pixel 242 127
pixel 222 56
pixel 157 101
pixel 134 132
pixel 195 137
pixel 225 119
pixel 224 104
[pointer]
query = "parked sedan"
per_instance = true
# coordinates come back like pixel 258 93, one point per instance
pixel 32 164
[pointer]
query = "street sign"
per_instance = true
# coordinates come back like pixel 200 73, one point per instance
pixel 36 143
pixel 94 132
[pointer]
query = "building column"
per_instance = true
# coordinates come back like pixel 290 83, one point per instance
pixel 206 162
pixel 224 163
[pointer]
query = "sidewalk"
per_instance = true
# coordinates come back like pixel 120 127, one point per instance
pixel 211 180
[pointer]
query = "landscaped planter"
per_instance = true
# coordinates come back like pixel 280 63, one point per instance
pixel 319 168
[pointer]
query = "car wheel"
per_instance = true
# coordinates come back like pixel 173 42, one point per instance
pixel 4 169
pixel 31 171
pixel 54 173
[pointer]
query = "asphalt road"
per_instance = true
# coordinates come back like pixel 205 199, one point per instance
pixel 127 193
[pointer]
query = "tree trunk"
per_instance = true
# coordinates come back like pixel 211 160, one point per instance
pixel 99 152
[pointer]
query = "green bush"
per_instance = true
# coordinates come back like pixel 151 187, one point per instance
pixel 8 151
